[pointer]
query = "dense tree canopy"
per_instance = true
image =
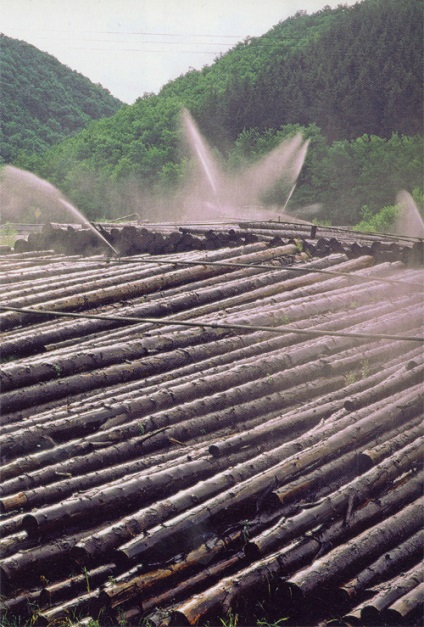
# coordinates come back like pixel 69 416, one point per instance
pixel 42 100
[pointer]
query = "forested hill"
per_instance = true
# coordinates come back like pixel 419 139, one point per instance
pixel 42 100
pixel 350 79
pixel 352 70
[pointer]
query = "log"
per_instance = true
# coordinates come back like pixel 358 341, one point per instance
pixel 74 586
pixel 395 559
pixel 391 591
pixel 127 494
pixel 342 562
pixel 140 287
pixel 217 599
pixel 358 490
pixel 246 493
pixel 82 604
pixel 402 609
pixel 150 583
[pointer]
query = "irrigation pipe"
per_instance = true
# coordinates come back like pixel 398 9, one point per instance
pixel 213 325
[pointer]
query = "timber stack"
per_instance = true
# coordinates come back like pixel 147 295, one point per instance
pixel 223 419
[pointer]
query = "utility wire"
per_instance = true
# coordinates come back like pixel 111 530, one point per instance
pixel 216 325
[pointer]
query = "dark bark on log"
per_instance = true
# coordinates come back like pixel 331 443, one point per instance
pixel 377 453
pixel 29 343
pixel 280 429
pixel 95 459
pixel 13 376
pixel 395 559
pixel 344 561
pixel 244 493
pixel 247 488
pixel 84 604
pixel 217 599
pixel 21 605
pixel 410 603
pixel 149 583
pixel 359 489
pixel 225 389
pixel 14 542
pixel 252 346
pixel 63 590
pixel 33 562
pixel 351 463
pixel 391 385
pixel 391 591
pixel 209 575
pixel 126 495
pixel 139 287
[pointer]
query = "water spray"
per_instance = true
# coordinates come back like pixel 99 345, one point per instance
pixel 90 225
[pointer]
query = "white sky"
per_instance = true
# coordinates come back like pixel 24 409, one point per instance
pixel 136 46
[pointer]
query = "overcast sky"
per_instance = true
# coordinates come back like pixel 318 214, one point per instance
pixel 135 46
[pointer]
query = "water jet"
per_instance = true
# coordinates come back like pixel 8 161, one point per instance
pixel 22 194
pixel 239 196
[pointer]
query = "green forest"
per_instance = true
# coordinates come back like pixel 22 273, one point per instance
pixel 43 101
pixel 349 79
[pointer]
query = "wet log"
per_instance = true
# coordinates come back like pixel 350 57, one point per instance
pixel 150 583
pixel 221 597
pixel 20 606
pixel 140 287
pixel 395 559
pixel 392 384
pixel 409 604
pixel 356 492
pixel 13 376
pixel 261 439
pixel 390 591
pixel 29 342
pixel 247 493
pixel 375 454
pixel 30 564
pixel 83 604
pixel 340 563
pixel 225 389
pixel 127 494
pixel 75 586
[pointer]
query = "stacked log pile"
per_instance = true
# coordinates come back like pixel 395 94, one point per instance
pixel 234 428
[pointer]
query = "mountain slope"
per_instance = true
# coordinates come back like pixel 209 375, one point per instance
pixel 42 100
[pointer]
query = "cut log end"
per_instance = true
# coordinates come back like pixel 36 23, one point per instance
pixel 30 525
